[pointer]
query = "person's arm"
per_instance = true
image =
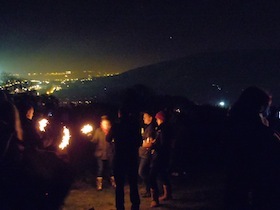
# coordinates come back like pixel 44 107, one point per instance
pixel 110 135
pixel 151 136
pixel 95 137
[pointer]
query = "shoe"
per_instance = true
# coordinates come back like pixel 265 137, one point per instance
pixel 154 196
pixel 99 183
pixel 154 204
pixel 113 182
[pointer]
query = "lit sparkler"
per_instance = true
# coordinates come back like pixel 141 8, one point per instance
pixel 87 129
pixel 43 124
pixel 65 139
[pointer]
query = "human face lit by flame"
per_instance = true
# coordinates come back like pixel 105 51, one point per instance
pixel 159 121
pixel 147 119
pixel 30 113
pixel 105 125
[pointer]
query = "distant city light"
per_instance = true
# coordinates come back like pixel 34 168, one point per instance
pixel 222 104
pixel 49 82
pixel 217 86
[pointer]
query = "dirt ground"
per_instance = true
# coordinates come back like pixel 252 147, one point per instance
pixel 193 191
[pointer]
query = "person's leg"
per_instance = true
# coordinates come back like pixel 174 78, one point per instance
pixel 110 166
pixel 167 193
pixel 119 193
pixel 153 183
pixel 143 172
pixel 99 178
pixel 100 167
pixel 141 167
pixel 147 180
pixel 111 172
pixel 133 184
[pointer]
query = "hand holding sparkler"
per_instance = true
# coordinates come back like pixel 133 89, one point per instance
pixel 87 129
pixel 43 124
pixel 148 142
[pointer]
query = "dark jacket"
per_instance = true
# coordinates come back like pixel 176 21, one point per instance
pixel 30 136
pixel 253 154
pixel 162 145
pixel 149 132
pixel 127 138
pixel 104 149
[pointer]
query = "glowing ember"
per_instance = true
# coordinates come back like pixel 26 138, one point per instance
pixel 42 124
pixel 87 129
pixel 65 139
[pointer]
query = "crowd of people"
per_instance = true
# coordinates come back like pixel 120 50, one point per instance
pixel 31 176
pixel 128 151
pixel 33 172
pixel 31 167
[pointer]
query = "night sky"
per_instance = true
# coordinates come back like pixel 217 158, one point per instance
pixel 116 36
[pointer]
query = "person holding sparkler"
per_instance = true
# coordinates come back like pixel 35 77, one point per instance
pixel 31 137
pixel 104 152
pixel 12 191
pixel 47 178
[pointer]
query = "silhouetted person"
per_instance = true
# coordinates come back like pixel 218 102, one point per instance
pixel 11 183
pixel 11 131
pixel 160 160
pixel 127 138
pixel 46 178
pixel 31 138
pixel 9 116
pixel 104 152
pixel 148 136
pixel 253 151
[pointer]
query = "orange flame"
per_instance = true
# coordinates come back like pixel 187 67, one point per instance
pixel 65 139
pixel 87 129
pixel 43 124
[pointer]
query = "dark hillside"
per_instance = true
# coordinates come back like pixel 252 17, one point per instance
pixel 203 78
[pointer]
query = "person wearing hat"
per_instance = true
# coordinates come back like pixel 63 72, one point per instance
pixel 160 160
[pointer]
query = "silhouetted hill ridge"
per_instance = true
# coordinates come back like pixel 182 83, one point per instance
pixel 203 78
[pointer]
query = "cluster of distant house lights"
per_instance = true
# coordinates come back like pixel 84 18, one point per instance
pixel 56 79
pixel 65 81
